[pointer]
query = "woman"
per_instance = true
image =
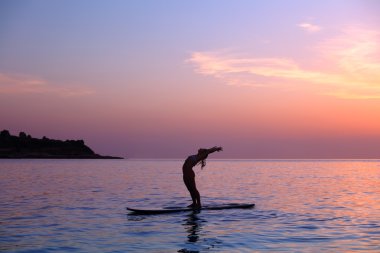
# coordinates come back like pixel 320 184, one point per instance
pixel 189 175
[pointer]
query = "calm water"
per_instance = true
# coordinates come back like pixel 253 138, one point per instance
pixel 79 206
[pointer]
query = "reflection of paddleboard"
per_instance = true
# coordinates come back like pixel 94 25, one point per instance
pixel 186 209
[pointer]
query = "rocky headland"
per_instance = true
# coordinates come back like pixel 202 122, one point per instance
pixel 25 146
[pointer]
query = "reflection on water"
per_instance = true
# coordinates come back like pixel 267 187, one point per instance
pixel 193 226
pixel 79 205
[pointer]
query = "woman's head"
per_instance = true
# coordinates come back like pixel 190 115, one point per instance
pixel 202 154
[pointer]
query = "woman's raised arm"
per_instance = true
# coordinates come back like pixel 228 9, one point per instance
pixel 214 149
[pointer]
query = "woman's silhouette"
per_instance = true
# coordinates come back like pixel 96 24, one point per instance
pixel 189 175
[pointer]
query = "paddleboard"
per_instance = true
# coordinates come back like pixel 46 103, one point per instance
pixel 187 209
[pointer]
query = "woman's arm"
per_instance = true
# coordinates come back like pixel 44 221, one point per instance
pixel 214 149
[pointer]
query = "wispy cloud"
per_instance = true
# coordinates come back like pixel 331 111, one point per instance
pixel 352 57
pixel 308 27
pixel 24 84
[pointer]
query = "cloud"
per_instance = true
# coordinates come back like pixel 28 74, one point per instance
pixel 349 67
pixel 309 27
pixel 24 84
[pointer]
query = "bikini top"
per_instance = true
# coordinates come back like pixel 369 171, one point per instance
pixel 193 159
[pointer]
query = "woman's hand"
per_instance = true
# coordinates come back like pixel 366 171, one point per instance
pixel 217 148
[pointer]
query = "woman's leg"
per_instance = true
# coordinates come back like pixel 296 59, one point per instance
pixel 187 182
pixel 195 196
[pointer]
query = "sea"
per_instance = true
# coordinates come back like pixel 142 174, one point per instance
pixel 80 206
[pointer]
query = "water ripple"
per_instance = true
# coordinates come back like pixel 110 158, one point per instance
pixel 79 206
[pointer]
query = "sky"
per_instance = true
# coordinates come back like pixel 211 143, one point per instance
pixel 160 79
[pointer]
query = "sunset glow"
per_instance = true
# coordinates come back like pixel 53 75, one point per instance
pixel 289 79
pixel 352 55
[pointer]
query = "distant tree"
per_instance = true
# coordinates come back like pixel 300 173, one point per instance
pixel 22 135
pixel 5 133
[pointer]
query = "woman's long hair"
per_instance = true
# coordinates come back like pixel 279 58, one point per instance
pixel 203 161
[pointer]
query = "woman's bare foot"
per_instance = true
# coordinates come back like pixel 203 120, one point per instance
pixel 192 205
pixel 197 206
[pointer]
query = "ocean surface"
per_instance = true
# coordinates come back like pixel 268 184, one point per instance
pixel 80 206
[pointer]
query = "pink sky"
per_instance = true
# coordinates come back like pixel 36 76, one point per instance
pixel 264 80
